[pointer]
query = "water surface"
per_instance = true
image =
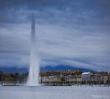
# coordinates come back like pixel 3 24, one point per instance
pixel 54 92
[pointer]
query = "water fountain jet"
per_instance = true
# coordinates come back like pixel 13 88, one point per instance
pixel 33 79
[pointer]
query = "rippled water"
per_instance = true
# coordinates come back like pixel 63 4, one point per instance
pixel 55 92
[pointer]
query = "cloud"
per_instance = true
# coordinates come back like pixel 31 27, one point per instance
pixel 67 32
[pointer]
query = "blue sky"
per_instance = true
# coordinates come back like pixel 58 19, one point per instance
pixel 71 32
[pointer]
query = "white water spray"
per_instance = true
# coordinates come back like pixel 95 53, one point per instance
pixel 33 79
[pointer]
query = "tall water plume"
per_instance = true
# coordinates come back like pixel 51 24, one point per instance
pixel 33 79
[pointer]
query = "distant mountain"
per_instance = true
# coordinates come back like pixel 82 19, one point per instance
pixel 65 67
pixel 14 69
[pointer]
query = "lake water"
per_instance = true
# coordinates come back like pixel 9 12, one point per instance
pixel 54 92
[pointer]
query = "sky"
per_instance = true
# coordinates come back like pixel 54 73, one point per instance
pixel 69 32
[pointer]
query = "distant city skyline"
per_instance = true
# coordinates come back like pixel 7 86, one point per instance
pixel 69 32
